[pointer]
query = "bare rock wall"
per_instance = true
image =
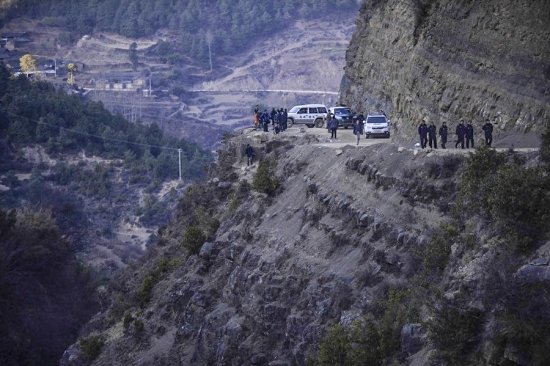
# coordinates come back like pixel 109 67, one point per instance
pixel 447 60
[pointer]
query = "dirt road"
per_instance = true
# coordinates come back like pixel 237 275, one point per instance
pixel 346 137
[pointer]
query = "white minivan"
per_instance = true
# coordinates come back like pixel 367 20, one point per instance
pixel 311 115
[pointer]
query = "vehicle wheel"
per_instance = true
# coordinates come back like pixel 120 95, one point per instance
pixel 310 126
pixel 289 123
pixel 319 123
pixel 367 136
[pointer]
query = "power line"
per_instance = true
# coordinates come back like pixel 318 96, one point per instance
pixel 89 134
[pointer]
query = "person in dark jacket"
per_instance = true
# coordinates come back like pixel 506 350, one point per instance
pixel 423 132
pixel 283 119
pixel 265 120
pixel 328 119
pixel 333 127
pixel 460 132
pixel 276 123
pixel 488 128
pixel 469 135
pixel 443 134
pixel 358 129
pixel 272 116
pixel 249 154
pixel 432 136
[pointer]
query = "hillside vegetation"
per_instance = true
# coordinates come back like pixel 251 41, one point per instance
pixel 72 175
pixel 224 26
pixel 46 294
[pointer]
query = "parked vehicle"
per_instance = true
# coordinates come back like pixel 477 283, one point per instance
pixel 312 115
pixel 344 115
pixel 377 124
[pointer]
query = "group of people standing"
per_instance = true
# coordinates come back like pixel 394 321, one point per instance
pixel 278 118
pixel 358 126
pixel 463 132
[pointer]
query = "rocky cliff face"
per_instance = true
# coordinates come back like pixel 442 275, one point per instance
pixel 280 269
pixel 351 234
pixel 446 60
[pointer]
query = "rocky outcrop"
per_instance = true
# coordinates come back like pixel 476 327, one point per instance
pixel 446 60
pixel 344 229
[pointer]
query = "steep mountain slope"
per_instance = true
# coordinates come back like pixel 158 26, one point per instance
pixel 352 233
pixel 446 60
pixel 381 253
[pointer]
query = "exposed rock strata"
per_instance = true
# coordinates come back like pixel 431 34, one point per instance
pixel 445 60
pixel 344 226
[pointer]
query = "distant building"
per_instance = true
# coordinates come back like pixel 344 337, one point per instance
pixel 119 81
pixel 10 58
pixel 14 35
pixel 11 41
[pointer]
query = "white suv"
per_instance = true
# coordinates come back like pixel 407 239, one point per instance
pixel 309 114
pixel 377 124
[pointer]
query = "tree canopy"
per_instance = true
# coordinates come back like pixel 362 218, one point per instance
pixel 232 24
pixel 35 112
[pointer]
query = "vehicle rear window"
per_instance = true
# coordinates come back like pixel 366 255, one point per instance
pixel 342 111
pixel 322 110
pixel 376 120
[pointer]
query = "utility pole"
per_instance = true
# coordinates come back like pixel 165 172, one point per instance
pixel 179 156
pixel 209 39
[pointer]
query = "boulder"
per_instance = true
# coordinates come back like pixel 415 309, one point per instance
pixel 224 185
pixel 536 271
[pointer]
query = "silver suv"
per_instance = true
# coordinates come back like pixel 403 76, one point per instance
pixel 377 124
pixel 309 114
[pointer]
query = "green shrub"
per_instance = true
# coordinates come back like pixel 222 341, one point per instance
pixel 520 202
pixel 453 330
pixel 513 196
pixel 264 180
pixel 357 345
pixel 162 266
pixel 368 343
pixel 90 348
pixel 397 311
pixel 234 204
pixel 365 339
pixel 479 177
pixel 144 291
pixel 208 224
pixel 335 347
pixel 127 320
pixel 193 238
pixel 524 320
pixel 435 255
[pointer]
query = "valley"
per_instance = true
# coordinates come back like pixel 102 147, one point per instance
pixel 320 252
pixel 302 64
